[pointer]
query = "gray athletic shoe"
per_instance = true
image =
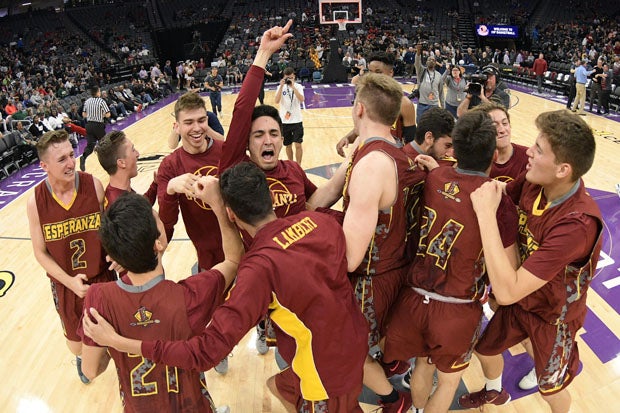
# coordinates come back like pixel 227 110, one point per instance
pixel 222 367
pixel 78 363
pixel 261 340
pixel 222 409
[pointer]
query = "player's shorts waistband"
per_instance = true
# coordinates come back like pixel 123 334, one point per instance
pixel 429 295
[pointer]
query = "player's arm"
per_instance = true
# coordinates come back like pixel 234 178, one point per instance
pixel 99 191
pixel 173 139
pixel 101 198
pixel 168 204
pixel 407 112
pixel 509 284
pixel 346 140
pixel 327 194
pixel 298 90
pixel 247 304
pixel 372 187
pixel 207 188
pixel 278 96
pixel 76 284
pixel 213 134
pixel 464 105
pixel 241 123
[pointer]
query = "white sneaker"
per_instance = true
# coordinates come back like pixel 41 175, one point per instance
pixel 529 381
pixel 618 189
pixel 222 367
pixel 261 341
pixel 222 409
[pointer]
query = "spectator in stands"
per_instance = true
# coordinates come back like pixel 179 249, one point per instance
pixel 488 92
pixel 429 83
pixel 155 72
pixel 180 75
pixel 596 76
pixel 37 128
pixel 214 83
pixel 606 80
pixel 581 76
pixel 572 90
pixel 143 74
pixel 75 115
pixel 168 71
pixel 409 60
pixel 456 86
pixel 10 107
pixel 117 110
pixel 539 68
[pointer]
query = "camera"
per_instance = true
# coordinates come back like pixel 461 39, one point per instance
pixel 476 80
pixel 288 82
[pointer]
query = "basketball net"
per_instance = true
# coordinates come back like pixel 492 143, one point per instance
pixel 342 24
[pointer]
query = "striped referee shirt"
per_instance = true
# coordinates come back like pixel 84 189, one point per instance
pixel 95 109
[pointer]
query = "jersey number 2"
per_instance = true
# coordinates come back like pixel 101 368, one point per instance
pixel 139 384
pixel 80 248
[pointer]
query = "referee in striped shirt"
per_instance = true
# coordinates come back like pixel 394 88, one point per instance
pixel 95 110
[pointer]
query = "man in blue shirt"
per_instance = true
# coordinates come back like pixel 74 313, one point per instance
pixel 581 76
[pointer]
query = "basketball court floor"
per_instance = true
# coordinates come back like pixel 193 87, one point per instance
pixel 37 368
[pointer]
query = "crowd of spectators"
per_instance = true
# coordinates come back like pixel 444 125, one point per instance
pixel 46 67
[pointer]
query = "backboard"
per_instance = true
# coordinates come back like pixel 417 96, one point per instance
pixel 330 11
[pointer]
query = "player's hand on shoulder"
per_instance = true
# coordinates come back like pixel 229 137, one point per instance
pixel 97 328
pixel 426 162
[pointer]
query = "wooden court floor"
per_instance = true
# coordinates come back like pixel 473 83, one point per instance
pixel 38 372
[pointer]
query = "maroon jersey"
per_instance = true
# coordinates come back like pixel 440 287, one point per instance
pixel 296 269
pixel 511 169
pixel 70 231
pixel 111 194
pixel 560 243
pixel 289 185
pixel 450 260
pixel 200 221
pixel 159 309
pixel 387 246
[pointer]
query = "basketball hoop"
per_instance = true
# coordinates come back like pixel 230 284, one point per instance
pixel 342 24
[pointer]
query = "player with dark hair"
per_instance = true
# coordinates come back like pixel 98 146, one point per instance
pixel 438 319
pixel 64 215
pixel 147 306
pixel 560 229
pixel 312 308
pixel 511 157
pixel 258 129
pixel 433 135
pixel 404 128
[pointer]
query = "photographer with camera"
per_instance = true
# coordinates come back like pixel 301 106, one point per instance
pixel 289 97
pixel 457 87
pixel 483 88
pixel 430 87
pixel 214 83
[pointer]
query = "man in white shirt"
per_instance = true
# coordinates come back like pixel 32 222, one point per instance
pixel 289 97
